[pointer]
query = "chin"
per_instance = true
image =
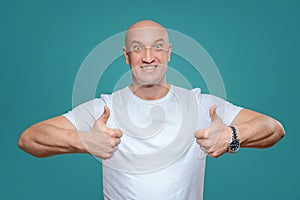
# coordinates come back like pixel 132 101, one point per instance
pixel 150 80
pixel 148 83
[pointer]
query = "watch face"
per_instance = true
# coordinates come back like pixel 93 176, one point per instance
pixel 234 145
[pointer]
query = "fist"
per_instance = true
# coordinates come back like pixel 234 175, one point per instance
pixel 101 141
pixel 214 140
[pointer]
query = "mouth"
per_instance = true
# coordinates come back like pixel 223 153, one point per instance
pixel 148 67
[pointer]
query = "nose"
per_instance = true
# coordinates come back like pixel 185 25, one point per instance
pixel 148 56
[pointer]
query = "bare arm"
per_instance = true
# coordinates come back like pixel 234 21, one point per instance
pixel 51 137
pixel 256 130
pixel 58 136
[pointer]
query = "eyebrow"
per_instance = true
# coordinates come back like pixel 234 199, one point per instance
pixel 135 41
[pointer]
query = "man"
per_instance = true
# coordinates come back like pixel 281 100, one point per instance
pixel 166 131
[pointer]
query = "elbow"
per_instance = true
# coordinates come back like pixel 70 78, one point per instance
pixel 278 131
pixel 27 144
pixel 22 141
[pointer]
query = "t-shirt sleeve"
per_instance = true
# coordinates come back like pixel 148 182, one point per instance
pixel 84 116
pixel 226 110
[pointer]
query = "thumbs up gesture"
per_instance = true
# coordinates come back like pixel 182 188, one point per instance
pixel 101 141
pixel 214 140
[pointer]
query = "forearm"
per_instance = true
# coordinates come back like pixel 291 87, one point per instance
pixel 43 140
pixel 260 132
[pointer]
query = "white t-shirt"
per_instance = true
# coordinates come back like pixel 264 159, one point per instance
pixel 158 157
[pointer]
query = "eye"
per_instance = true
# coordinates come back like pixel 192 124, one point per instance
pixel 137 48
pixel 157 46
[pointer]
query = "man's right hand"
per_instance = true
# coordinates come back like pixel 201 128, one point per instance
pixel 101 141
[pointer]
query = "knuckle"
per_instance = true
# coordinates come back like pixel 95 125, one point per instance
pixel 196 133
pixel 107 136
pixel 111 144
pixel 121 133
pixel 204 144
pixel 112 133
pixel 199 133
pixel 117 141
pixel 107 156
pixel 110 155
pixel 214 154
pixel 210 152
pixel 118 133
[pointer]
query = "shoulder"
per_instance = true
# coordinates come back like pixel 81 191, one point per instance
pixel 184 90
pixel 197 93
pixel 107 98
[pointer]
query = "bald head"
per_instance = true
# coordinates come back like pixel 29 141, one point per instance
pixel 145 23
pixel 145 30
pixel 148 52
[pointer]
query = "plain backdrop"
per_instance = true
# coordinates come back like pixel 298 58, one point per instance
pixel 254 43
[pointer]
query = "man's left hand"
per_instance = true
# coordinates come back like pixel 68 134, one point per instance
pixel 214 140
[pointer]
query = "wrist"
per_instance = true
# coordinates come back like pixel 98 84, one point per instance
pixel 76 142
pixel 234 143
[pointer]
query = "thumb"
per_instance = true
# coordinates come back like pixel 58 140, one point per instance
pixel 212 112
pixel 105 115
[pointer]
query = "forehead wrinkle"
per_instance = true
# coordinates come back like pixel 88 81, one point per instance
pixel 139 42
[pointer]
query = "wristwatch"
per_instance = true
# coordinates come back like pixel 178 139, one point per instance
pixel 234 144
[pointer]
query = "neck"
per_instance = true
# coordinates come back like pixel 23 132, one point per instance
pixel 150 92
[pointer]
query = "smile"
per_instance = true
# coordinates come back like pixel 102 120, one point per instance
pixel 149 67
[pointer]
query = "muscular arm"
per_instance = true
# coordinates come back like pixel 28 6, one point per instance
pixel 256 130
pixel 51 137
pixel 58 136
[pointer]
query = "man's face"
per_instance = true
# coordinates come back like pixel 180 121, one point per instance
pixel 148 53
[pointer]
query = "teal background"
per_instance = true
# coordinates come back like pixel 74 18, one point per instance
pixel 255 45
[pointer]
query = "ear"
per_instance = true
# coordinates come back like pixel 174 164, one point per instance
pixel 169 52
pixel 126 55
